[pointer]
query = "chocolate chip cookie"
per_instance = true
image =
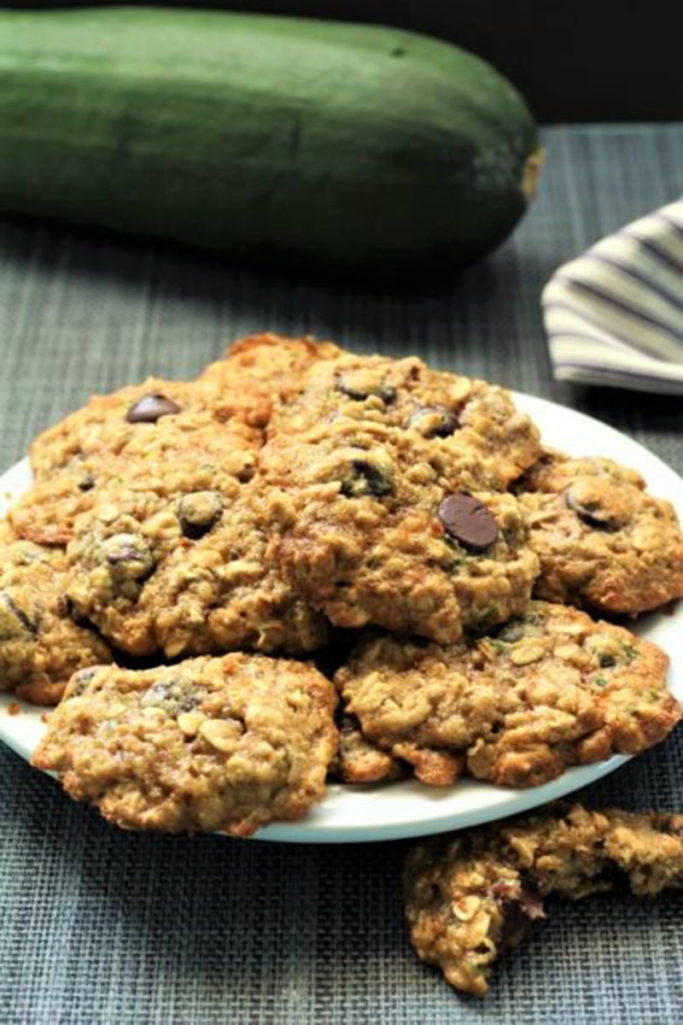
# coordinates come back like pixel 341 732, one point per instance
pixel 472 896
pixel 216 421
pixel 602 540
pixel 548 690
pixel 474 433
pixel 192 578
pixel 40 644
pixel 133 418
pixel 110 444
pixel 223 744
pixel 271 362
pixel 197 455
pixel 359 760
pixel 365 530
pixel 378 497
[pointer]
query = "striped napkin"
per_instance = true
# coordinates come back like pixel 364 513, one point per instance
pixel 614 316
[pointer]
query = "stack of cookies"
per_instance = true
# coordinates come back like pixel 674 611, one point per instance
pixel 308 562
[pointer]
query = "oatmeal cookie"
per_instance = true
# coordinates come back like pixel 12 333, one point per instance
pixel 272 362
pixel 216 421
pixel 120 437
pixel 367 537
pixel 192 578
pixel 382 501
pixel 195 454
pixel 223 744
pixel 474 433
pixel 548 690
pixel 40 644
pixel 602 540
pixel 359 760
pixel 132 419
pixel 472 896
pixel 239 387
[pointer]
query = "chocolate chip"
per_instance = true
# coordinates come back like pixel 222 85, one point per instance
pixel 520 906
pixel 73 613
pixel 361 384
pixel 198 512
pixel 365 479
pixel 151 408
pixel 129 555
pixel 17 614
pixel 434 421
pixel 511 632
pixel 87 483
pixel 592 508
pixel 175 694
pixel 79 681
pixel 123 553
pixel 468 521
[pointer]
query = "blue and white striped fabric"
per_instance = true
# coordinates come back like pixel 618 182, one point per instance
pixel 614 316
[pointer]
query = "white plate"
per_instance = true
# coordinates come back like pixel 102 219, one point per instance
pixel 354 814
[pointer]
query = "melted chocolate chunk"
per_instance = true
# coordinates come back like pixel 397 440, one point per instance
pixel 434 421
pixel 79 681
pixel 129 555
pixel 592 511
pixel 151 408
pixel 17 613
pixel 468 521
pixel 365 479
pixel 87 483
pixel 175 694
pixel 198 512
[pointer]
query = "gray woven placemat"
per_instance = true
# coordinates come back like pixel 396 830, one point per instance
pixel 101 927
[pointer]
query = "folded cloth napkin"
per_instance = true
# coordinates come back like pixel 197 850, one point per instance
pixel 614 316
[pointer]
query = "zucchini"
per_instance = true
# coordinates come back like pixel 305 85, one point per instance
pixel 307 142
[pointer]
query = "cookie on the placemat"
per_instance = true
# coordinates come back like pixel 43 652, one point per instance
pixel 471 897
pixel 40 645
pixel 359 760
pixel 548 690
pixel 190 579
pixel 603 541
pixel 224 744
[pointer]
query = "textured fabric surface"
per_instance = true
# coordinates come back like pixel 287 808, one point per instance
pixel 614 315
pixel 109 928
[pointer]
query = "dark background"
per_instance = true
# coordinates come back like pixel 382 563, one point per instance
pixel 582 61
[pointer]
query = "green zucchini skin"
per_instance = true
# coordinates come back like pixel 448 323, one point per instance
pixel 299 141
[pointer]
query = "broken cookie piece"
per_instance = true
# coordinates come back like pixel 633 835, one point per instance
pixel 472 896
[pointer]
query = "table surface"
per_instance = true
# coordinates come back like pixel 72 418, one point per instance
pixel 99 926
